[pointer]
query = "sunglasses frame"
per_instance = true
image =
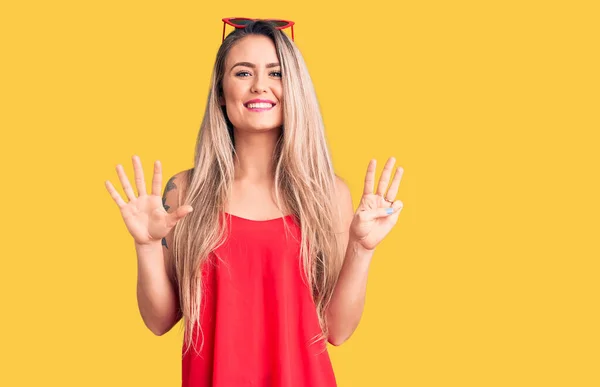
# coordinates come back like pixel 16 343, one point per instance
pixel 228 20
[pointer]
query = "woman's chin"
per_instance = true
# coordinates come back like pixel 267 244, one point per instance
pixel 261 128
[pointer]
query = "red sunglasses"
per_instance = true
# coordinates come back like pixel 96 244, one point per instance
pixel 242 22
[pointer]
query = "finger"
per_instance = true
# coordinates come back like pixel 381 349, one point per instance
pixel 397 206
pixel 114 194
pixel 370 177
pixel 393 190
pixel 178 214
pixel 138 173
pixel 125 182
pixel 384 180
pixel 157 178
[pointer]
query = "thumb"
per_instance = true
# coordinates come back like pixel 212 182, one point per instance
pixel 369 215
pixel 178 214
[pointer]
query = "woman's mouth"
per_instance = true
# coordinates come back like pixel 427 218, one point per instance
pixel 259 106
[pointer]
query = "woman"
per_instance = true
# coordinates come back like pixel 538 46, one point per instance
pixel 257 247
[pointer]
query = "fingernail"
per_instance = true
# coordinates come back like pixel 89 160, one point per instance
pixel 389 210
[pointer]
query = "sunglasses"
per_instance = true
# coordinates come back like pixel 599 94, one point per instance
pixel 242 22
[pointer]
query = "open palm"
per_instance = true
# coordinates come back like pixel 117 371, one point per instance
pixel 372 222
pixel 145 216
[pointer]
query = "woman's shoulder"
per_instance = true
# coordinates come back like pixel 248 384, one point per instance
pixel 183 177
pixel 176 188
pixel 341 185
pixel 343 194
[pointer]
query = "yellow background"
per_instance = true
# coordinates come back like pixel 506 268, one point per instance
pixel 490 277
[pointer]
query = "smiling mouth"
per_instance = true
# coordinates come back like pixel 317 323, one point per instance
pixel 259 105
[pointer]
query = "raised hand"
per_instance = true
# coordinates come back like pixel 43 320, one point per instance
pixel 377 212
pixel 145 216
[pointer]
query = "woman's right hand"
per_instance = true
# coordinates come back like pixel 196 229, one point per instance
pixel 145 216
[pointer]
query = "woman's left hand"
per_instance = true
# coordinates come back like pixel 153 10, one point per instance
pixel 371 222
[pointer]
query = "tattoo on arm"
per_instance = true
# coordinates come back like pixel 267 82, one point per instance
pixel 170 185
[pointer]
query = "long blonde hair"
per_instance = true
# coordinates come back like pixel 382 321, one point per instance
pixel 305 183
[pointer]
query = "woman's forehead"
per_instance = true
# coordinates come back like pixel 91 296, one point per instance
pixel 256 49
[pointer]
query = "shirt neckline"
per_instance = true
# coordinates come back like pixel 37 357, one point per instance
pixel 256 220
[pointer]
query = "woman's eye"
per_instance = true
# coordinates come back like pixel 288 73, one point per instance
pixel 244 74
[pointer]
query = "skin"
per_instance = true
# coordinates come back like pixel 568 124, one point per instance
pixel 256 134
pixel 368 226
pixel 170 186
pixel 252 71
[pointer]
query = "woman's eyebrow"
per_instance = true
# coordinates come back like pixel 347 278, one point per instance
pixel 252 65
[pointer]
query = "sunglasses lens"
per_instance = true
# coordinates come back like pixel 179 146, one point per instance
pixel 279 23
pixel 243 22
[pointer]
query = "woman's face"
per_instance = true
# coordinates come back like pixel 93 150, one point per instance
pixel 252 85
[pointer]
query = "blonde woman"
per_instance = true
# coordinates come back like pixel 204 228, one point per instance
pixel 257 247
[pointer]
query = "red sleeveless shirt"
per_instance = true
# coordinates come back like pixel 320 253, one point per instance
pixel 258 319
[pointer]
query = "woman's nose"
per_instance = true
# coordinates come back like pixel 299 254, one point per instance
pixel 258 86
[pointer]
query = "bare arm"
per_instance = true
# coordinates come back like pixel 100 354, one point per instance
pixel 157 298
pixel 157 293
pixel 348 300
pixel 375 217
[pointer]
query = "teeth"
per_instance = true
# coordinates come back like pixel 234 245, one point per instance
pixel 261 105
